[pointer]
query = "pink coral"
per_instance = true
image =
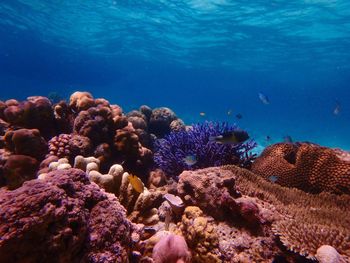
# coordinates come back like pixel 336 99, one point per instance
pixel 70 145
pixel 171 249
pixel 63 218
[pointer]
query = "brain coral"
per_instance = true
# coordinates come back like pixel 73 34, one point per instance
pixel 304 221
pixel 63 218
pixel 306 166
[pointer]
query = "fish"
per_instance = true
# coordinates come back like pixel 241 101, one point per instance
pixel 264 99
pixel 268 138
pixel 229 112
pixel 273 178
pixel 239 116
pixel 202 114
pixel 190 159
pixel 337 108
pixel 288 139
pixel 136 183
pixel 233 137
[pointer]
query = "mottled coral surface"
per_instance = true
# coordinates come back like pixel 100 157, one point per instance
pixel 63 218
pixel 306 166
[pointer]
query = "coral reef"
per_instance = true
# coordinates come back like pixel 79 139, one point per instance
pixel 69 146
pixel 81 100
pixel 62 218
pixel 50 211
pixel 34 113
pixel 18 169
pixel 160 120
pixel 303 222
pixel 171 249
pixel 26 142
pixel 171 151
pixel 306 166
pixel 96 123
pixel 200 235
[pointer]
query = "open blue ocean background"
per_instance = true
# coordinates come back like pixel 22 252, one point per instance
pixel 193 56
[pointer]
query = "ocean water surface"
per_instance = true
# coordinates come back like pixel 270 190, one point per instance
pixel 210 56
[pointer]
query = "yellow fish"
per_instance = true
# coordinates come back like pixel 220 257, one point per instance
pixel 136 183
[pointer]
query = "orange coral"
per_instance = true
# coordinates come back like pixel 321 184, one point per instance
pixel 306 166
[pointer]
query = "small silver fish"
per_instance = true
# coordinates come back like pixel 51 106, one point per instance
pixel 287 139
pixel 190 159
pixel 273 178
pixel 264 99
pixel 337 108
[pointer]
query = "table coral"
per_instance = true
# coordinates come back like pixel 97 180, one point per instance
pixel 306 166
pixel 303 222
pixel 63 218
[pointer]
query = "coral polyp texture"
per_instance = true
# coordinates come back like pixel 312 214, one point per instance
pixel 303 222
pixel 171 151
pixel 306 166
pixel 63 218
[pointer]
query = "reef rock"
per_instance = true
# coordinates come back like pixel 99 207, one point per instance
pixel 63 218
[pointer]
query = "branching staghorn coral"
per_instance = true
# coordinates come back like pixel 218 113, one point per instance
pixel 171 151
pixel 305 222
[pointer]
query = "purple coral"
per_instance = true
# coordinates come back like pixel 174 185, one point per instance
pixel 171 151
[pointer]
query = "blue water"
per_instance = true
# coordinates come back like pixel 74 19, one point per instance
pixel 192 56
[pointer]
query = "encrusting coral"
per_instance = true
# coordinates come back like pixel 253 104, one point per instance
pixel 303 222
pixel 306 166
pixel 63 218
